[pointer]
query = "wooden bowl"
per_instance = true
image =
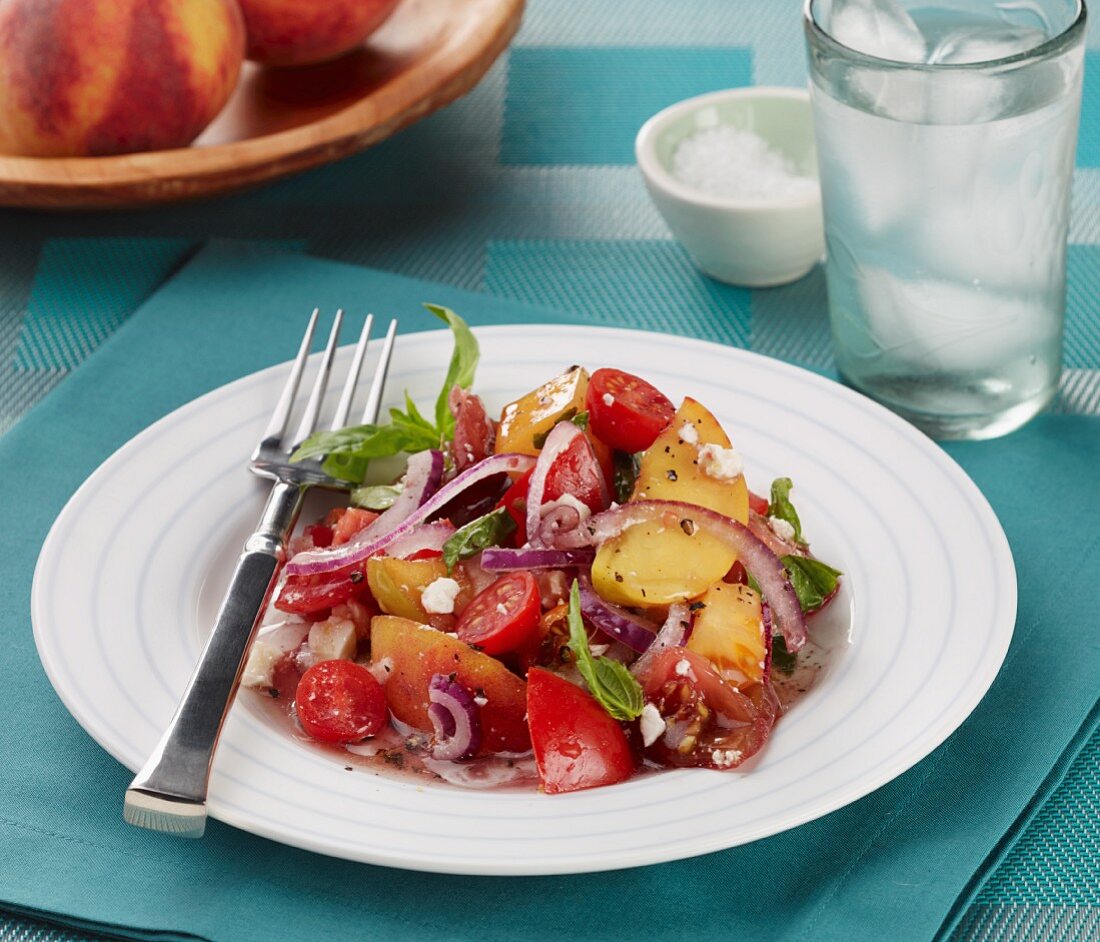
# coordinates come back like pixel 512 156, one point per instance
pixel 280 121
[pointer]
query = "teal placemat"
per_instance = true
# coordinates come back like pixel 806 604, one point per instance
pixel 508 193
pixel 902 863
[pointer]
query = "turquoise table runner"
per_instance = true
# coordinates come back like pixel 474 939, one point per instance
pixel 902 863
pixel 524 191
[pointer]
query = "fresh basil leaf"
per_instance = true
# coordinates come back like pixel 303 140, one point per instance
pixel 419 437
pixel 375 496
pixel 580 420
pixel 349 450
pixel 411 419
pixel 813 580
pixel 625 473
pixel 609 682
pixel 461 370
pixel 782 659
pixel 781 507
pixel 342 440
pixel 490 530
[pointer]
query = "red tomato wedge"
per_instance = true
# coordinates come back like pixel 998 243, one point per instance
pixel 319 535
pixel 423 554
pixel 503 616
pixel 577 745
pixel 305 595
pixel 515 502
pixel 350 522
pixel 340 701
pixel 577 472
pixel 625 412
pixel 758 504
pixel 709 723
pixel 474 430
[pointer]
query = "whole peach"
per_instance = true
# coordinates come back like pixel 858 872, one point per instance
pixel 301 32
pixel 97 77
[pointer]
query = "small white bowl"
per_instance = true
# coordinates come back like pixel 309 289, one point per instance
pixel 755 242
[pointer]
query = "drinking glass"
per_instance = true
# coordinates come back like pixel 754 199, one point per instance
pixel 945 138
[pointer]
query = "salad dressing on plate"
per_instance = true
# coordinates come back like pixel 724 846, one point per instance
pixel 403 754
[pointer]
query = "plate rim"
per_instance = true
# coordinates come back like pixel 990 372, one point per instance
pixel 610 860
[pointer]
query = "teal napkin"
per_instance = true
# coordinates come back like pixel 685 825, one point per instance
pixel 901 863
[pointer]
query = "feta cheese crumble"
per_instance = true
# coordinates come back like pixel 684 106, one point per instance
pixel 652 724
pixel 683 667
pixel 381 669
pixel 722 464
pixel 725 758
pixel 608 399
pixel 688 433
pixel 781 528
pixel 439 597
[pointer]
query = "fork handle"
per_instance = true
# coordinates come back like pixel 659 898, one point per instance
pixel 169 793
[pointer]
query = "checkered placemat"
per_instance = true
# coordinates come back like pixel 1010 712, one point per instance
pixel 527 189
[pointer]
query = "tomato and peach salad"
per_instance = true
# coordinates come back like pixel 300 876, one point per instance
pixel 587 580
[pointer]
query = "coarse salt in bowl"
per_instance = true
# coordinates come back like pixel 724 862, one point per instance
pixel 734 174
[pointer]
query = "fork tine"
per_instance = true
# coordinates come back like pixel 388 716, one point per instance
pixel 277 426
pixel 344 407
pixel 313 406
pixel 374 398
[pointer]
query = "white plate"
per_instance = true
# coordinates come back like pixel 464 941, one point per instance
pixel 132 571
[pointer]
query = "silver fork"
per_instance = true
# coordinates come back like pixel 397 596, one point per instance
pixel 169 793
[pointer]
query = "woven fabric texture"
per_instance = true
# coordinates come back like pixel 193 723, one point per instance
pixel 525 189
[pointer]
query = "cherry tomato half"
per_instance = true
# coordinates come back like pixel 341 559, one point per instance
pixel 501 617
pixel 625 412
pixel 577 745
pixel 340 701
pixel 576 472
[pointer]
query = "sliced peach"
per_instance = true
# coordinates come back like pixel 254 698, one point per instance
pixel 398 584
pixel 729 632
pixel 653 565
pixel 525 423
pixel 417 652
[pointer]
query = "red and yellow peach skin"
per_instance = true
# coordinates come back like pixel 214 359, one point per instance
pixel 98 77
pixel 301 32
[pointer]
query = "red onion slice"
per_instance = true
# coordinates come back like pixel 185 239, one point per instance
pixel 499 559
pixel 674 633
pixel 423 475
pixel 455 718
pixel 428 536
pixel 635 632
pixel 318 561
pixel 559 519
pixel 560 439
pixel 557 442
pixel 766 617
pixel 762 530
pixel 760 561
